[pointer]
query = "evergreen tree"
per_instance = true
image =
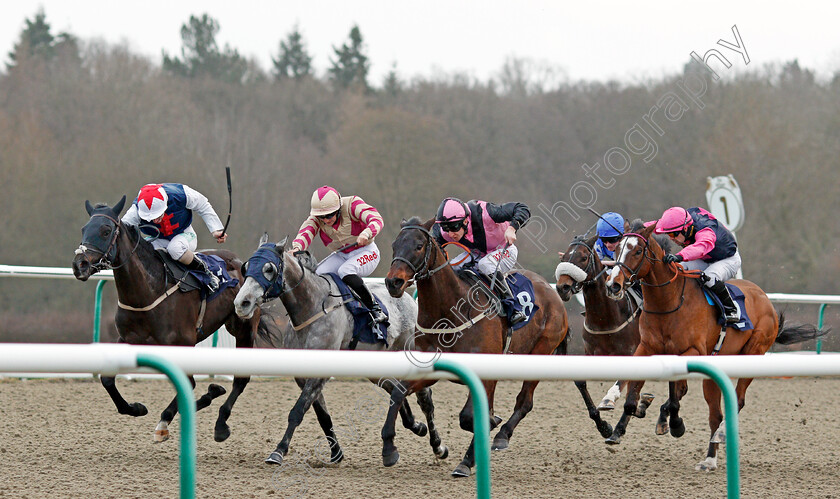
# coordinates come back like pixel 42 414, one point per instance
pixel 201 54
pixel 293 61
pixel 352 66
pixel 392 86
pixel 37 41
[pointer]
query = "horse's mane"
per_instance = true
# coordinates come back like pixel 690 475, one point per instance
pixel 307 260
pixel 638 225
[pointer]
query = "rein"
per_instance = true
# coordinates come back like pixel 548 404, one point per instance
pixel 430 240
pixel 673 266
pixel 104 262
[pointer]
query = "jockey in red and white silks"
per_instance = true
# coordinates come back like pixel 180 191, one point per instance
pixel 347 226
pixel 488 230
pixel 165 212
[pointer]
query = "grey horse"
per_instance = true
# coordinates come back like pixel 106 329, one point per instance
pixel 315 306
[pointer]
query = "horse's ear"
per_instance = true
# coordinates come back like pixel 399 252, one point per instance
pixel 118 208
pixel 403 223
pixel 263 240
pixel 429 223
pixel 626 225
pixel 88 207
pixel 282 243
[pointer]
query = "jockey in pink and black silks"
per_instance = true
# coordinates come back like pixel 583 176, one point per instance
pixel 488 230
pixel 347 226
pixel 165 211
pixel 707 246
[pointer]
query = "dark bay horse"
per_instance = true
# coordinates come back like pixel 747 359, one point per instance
pixel 319 320
pixel 677 320
pixel 141 281
pixel 610 327
pixel 443 298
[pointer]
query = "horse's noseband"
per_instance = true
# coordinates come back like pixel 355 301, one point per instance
pixel 106 259
pixel 423 272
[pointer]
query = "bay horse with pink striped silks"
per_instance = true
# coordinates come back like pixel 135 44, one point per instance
pixel 677 320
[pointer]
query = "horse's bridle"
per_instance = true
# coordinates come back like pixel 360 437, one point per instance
pixel 634 274
pixel 273 291
pixel 578 285
pixel 105 261
pixel 424 272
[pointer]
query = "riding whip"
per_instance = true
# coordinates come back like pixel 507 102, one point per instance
pixel 230 199
pixel 620 231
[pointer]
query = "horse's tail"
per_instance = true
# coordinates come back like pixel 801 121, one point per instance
pixel 268 330
pixel 797 332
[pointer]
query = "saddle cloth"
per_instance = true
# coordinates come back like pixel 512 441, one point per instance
pixel 522 290
pixel 362 321
pixel 192 279
pixel 737 295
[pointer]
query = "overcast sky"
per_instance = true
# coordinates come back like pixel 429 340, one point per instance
pixel 596 40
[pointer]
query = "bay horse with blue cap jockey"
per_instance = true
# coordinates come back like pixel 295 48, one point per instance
pixel 677 319
pixel 610 327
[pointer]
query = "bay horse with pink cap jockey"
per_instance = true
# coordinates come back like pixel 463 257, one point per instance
pixel 347 226
pixel 677 320
pixel 454 316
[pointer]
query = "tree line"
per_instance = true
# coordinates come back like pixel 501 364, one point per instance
pixel 89 120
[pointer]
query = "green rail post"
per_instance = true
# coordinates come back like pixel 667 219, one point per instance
pixel 730 400
pixel 186 406
pixel 481 423
pixel 820 325
pixel 97 310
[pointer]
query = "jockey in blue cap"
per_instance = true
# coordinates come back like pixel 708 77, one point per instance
pixel 610 229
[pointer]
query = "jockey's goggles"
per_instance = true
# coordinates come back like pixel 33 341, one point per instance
pixel 611 240
pixel 451 226
pixel 328 215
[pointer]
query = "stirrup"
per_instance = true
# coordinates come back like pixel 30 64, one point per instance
pixel 731 317
pixel 517 317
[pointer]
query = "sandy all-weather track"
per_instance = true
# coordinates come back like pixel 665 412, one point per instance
pixel 63 438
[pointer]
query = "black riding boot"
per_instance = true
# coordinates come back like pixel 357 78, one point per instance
pixel 504 291
pixel 199 265
pixel 358 285
pixel 729 309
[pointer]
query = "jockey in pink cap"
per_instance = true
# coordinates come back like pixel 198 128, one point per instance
pixel 165 212
pixel 488 230
pixel 707 246
pixel 347 226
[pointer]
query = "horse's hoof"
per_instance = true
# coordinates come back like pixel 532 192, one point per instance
pixel 137 409
pixel 501 443
pixel 461 471
pixel 605 429
pixel 337 456
pixel 498 421
pixel 420 429
pixel 274 458
pixel 707 465
pixel 606 405
pixel 677 428
pixel 646 399
pixel 661 428
pixel 221 433
pixel 215 390
pixel 391 459
pixel 613 440
pixel 442 452
pixel 161 432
